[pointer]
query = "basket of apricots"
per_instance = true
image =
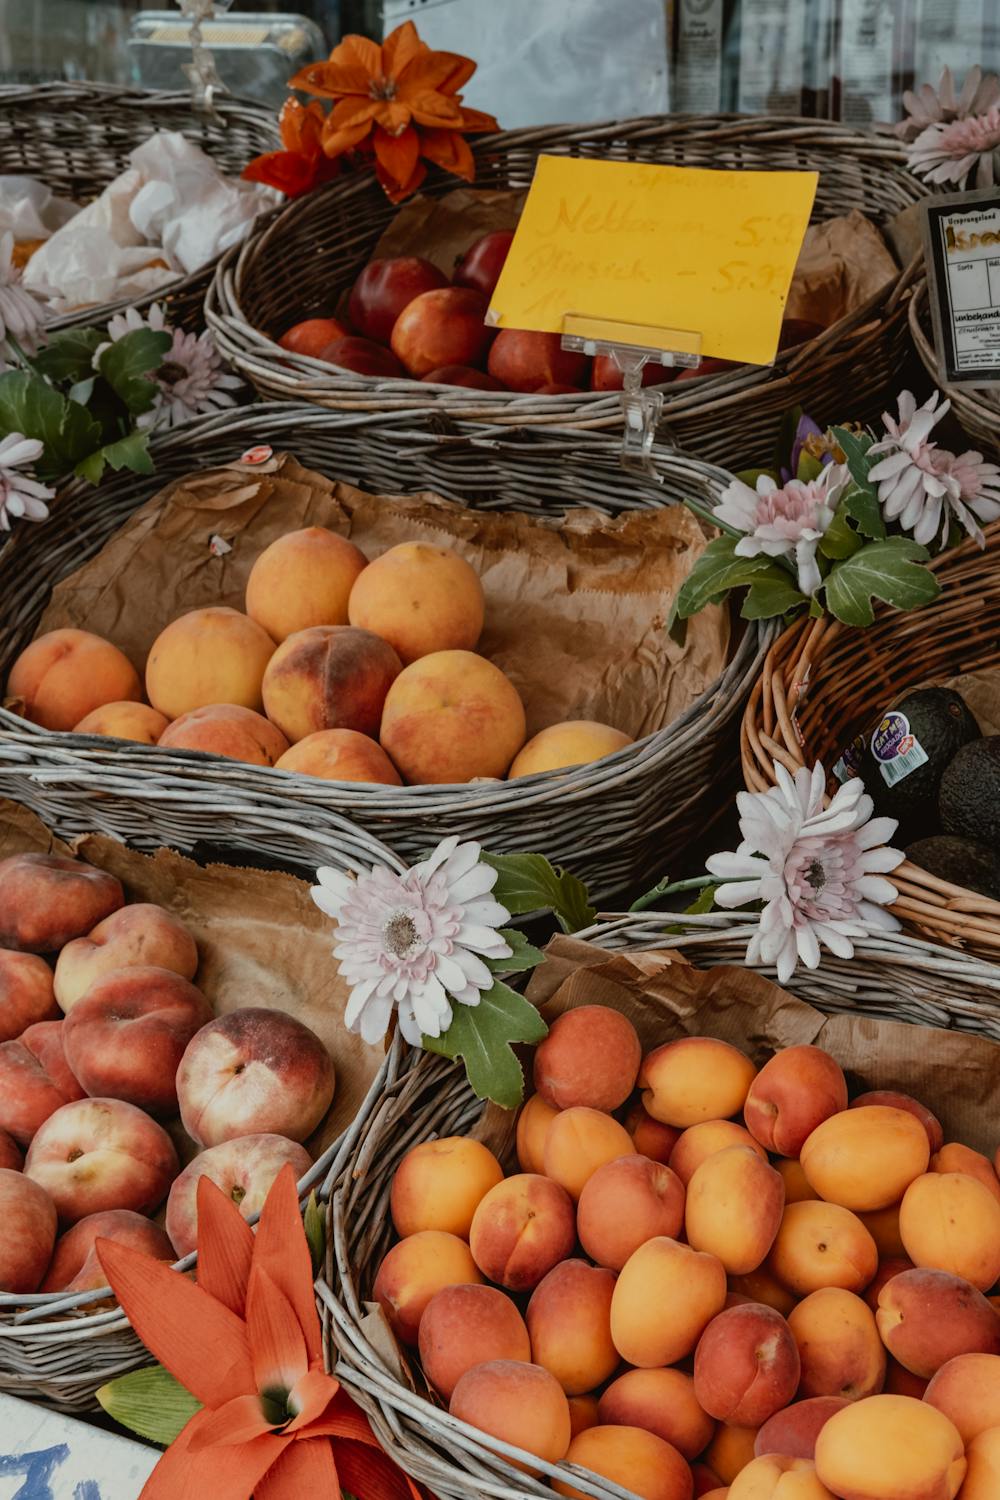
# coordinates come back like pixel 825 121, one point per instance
pixel 688 1267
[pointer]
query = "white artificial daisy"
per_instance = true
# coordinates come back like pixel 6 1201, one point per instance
pixel 415 942
pixel 940 106
pixel 131 320
pixel 192 382
pixel 21 497
pixel 948 153
pixel 924 487
pixel 22 315
pixel 786 520
pixel 819 871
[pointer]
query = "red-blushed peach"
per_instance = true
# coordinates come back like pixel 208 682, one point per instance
pixel 575 742
pixel 312 335
pixel 124 721
pixel 444 326
pixel 699 1142
pixel 899 1381
pixel 665 1297
pixel 662 1402
pixel 955 1157
pixel 590 1057
pixel 967 1390
pixel 521 1229
pixel 340 755
pixel 777 1476
pixel 480 265
pixel 26 994
pixel 421 599
pixel 64 675
pixel 414 1271
pixel 28 1215
pixel 797 1189
pixel 796 1090
pixel 582 1413
pixel 329 677
pixel 439 1184
pixel 733 1208
pixel 889 1098
pixel 840 1351
pixel 303 579
pixel 730 1450
pixel 696 1078
pixel 96 1154
pixel 982 1478
pixel 254 1072
pixel 631 1457
pixel 625 1203
pixel 468 1325
pixel 887 1269
pixel 883 1226
pixel 138 935
pixel 215 655
pixel 888 1448
pixel 721 1492
pixel 569 1322
pixel 75 1266
pixel 951 1222
pixel 11 1155
pixel 926 1317
pixel 521 1404
pixel 820 1244
pixel 384 288
pixel 762 1286
pixel 652 1138
pixel 244 1169
pixel 47 900
pixel 363 357
pixel 746 1365
pixel 794 1431
pixel 706 1484
pixel 35 1080
pixel 126 1036
pixel 461 375
pixel 866 1158
pixel 450 717
pixel 229 730
pixel 532 1126
pixel 524 360
pixel 580 1140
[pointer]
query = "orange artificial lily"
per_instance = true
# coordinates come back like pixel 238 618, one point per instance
pixel 303 164
pixel 245 1341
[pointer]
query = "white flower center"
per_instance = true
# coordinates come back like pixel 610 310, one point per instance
pixel 399 933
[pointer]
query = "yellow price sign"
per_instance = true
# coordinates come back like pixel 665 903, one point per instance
pixel 669 247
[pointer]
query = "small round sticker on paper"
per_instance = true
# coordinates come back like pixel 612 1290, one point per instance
pixel 258 455
pixel 892 737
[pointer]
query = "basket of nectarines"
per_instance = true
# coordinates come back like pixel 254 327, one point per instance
pixel 304 312
pixel 730 1247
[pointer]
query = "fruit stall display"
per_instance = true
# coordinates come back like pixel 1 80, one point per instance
pixel 294 299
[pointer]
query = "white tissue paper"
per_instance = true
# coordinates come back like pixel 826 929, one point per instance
pixel 30 210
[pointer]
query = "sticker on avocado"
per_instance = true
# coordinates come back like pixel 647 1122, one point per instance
pixel 896 749
pixel 849 764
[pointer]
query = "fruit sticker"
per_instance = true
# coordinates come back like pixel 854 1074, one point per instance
pixel 849 764
pixel 258 455
pixel 896 749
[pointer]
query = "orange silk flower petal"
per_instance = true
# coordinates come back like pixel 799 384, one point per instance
pixel 305 1470
pixel 400 48
pixel 343 1418
pixel 476 119
pixel 329 81
pixel 311 1396
pixel 430 71
pixel 336 142
pixel 282 1251
pixel 396 192
pixel 358 51
pixel 447 149
pixel 301 125
pixel 241 1420
pixel 435 109
pixel 347 113
pixel 277 1343
pixel 393 115
pixel 398 154
pixel 371 1473
pixel 225 1247
pixel 213 1473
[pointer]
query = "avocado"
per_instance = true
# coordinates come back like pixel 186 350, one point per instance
pixel 969 797
pixel 960 861
pixel 941 723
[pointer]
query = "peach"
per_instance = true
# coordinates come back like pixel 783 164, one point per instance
pixel 521 1229
pixel 228 730
pixel 840 1350
pixel 254 1072
pixel 590 1057
pixel 890 1448
pixel 75 1266
pixel 11 1156
pixel 797 1189
pixel 329 677
pixel 582 1413
pixel 440 1184
pixel 481 264
pixel 26 994
pixel 463 375
pixel 632 1458
pixel 532 1126
pixel 364 357
pixel 385 287
pixel 887 1269
pixel 625 1203
pixel 821 1244
pixel 414 1271
pixel 893 1100
pixel 776 1476
pixel 575 742
pixel 421 599
pixel 795 1091
pixel 521 1404
pixel 730 1450
pixel 569 1322
pixel 662 1402
pixel 734 1207
pixel 47 900
pixel 967 1390
pixel 124 721
pixel 721 1492
pixel 215 655
pixel 794 1431
pixel 125 1038
pixel 29 1232
pixel 95 1154
pixel 523 360
pixel 467 1325
pixel 952 1223
pixel 450 717
pixel 762 1286
pixel 883 1226
pixel 651 1137
pixel 135 936
pixel 899 1381
pixel 340 755
pixel 665 1297
pixel 927 1317
pixel 746 1365
pixel 64 675
pixel 699 1142
pixel 982 1478
pixel 303 579
pixel 444 326
pixel 312 335
pixel 244 1169
pixel 35 1080
pixel 866 1158
pixel 957 1158
pixel 706 1484
pixel 696 1078
pixel 580 1140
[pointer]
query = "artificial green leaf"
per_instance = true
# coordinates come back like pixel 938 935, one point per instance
pixel 69 355
pixel 131 452
pixel 315 1226
pixel 150 1402
pixel 891 570
pixel 127 364
pixel 751 476
pixel 92 467
pixel 810 468
pixel 704 902
pixel 482 1035
pixel 771 593
pixel 525 956
pixel 529 883
pixel 29 405
pixel 717 570
pixel 860 499
pixel 840 539
pixel 815 608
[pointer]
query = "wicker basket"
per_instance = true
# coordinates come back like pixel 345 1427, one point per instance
pixel 978 411
pixel 893 976
pixel 822 681
pixel 298 265
pixel 619 821
pixel 77 137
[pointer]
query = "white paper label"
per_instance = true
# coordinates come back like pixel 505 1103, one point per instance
pixel 971 245
pixel 896 749
pixel 698 60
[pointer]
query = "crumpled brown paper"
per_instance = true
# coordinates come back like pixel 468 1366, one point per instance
pixel 442 229
pixel 575 614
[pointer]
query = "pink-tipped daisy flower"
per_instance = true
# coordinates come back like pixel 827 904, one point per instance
pixel 948 153
pixel 21 498
pixel 784 521
pixel 939 106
